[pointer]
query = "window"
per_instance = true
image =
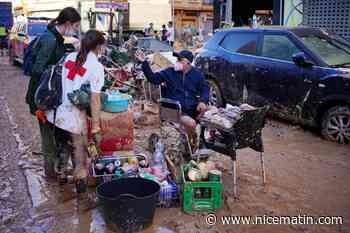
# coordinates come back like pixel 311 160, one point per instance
pixel 241 43
pixel 334 51
pixel 279 47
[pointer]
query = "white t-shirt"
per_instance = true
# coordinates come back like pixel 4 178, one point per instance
pixel 69 117
pixel 171 35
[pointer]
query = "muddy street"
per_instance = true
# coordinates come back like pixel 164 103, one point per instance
pixel 306 175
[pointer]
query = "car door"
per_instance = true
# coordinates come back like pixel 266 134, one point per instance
pixel 239 49
pixel 281 82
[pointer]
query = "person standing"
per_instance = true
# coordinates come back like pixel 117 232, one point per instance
pixel 48 51
pixel 3 40
pixel 171 33
pixel 149 31
pixel 164 33
pixel 81 68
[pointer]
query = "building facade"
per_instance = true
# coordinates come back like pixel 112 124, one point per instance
pixel 197 14
pixel 333 15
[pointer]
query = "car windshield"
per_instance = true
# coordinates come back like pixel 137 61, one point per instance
pixel 334 50
pixel 36 29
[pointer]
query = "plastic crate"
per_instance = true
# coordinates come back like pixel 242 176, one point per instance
pixel 201 196
pixel 115 102
pixel 168 195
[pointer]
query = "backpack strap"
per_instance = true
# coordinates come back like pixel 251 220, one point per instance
pixel 55 110
pixel 35 45
pixel 54 127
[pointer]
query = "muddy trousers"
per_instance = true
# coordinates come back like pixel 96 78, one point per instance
pixel 48 148
pixel 56 146
pixel 80 156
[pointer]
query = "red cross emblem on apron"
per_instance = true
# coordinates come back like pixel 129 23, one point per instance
pixel 74 70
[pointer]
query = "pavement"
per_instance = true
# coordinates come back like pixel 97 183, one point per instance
pixel 306 176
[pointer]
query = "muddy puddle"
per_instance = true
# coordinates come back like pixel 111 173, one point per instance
pixel 294 190
pixel 58 208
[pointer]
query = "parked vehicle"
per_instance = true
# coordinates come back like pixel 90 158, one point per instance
pixel 22 34
pixel 6 17
pixel 98 15
pixel 152 45
pixel 303 73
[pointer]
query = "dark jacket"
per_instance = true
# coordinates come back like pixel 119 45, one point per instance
pixel 49 50
pixel 189 89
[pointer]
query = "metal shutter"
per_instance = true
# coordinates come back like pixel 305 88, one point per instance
pixel 331 14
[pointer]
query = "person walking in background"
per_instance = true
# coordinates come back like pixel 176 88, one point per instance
pixel 171 34
pixel 3 40
pixel 48 51
pixel 149 31
pixel 164 33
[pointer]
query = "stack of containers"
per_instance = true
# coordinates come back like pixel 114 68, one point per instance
pixel 117 124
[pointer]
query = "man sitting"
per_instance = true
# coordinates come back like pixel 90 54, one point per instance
pixel 182 82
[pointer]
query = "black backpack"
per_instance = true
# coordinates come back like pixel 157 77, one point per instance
pixel 48 95
pixel 30 56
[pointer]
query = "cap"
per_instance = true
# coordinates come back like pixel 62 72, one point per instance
pixel 184 54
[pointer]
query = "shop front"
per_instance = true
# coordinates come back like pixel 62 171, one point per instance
pixel 240 13
pixel 195 15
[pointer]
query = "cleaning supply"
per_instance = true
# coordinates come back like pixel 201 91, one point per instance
pixel 114 101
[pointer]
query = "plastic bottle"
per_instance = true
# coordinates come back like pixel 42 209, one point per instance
pixel 158 158
pixel 255 21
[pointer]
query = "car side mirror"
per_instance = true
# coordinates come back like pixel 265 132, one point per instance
pixel 300 59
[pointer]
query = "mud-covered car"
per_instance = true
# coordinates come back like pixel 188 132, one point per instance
pixel 303 73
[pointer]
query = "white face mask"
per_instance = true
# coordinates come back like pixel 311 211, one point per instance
pixel 69 32
pixel 178 66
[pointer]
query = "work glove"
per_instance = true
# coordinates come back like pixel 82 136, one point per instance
pixel 97 138
pixel 41 116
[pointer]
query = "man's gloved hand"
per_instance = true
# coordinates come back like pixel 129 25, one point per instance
pixel 41 116
pixel 140 56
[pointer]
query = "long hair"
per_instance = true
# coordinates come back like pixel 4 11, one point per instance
pixel 90 41
pixel 68 14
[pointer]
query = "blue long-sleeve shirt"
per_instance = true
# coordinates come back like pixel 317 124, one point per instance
pixel 189 89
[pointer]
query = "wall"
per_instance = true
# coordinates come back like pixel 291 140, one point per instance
pixel 143 12
pixel 47 8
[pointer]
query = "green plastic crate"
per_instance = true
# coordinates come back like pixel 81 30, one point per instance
pixel 202 196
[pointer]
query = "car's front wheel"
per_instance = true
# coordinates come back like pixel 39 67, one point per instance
pixel 336 124
pixel 215 95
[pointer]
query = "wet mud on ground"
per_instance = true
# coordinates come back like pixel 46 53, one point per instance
pixel 305 175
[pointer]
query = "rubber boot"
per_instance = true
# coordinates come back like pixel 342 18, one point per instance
pixel 62 168
pixel 49 168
